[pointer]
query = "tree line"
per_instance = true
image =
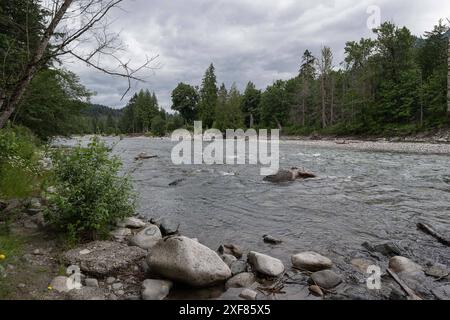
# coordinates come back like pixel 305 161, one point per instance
pixel 391 83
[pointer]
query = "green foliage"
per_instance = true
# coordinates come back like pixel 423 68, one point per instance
pixel 250 105
pixel 91 195
pixel 19 168
pixel 228 111
pixel 208 97
pixel 158 126
pixel 185 100
pixel 52 104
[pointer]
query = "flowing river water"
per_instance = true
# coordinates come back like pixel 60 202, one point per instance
pixel 358 196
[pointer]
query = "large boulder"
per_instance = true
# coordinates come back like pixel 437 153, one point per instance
pixel 156 289
pixel 187 261
pixel 104 258
pixel 311 261
pixel 147 238
pixel 265 264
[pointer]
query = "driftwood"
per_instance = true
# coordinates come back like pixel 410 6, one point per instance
pixel 144 156
pixel 432 232
pixel 411 294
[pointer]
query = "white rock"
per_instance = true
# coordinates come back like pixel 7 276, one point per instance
pixel 311 261
pixel 156 289
pixel 184 260
pixel 248 294
pixel 147 238
pixel 265 264
pixel 131 222
pixel 60 284
pixel 401 264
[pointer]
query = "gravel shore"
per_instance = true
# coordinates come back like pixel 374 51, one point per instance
pixel 377 146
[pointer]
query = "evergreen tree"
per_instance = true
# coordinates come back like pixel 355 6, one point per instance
pixel 250 105
pixel 208 97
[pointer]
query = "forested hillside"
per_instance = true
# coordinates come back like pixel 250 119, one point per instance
pixel 392 83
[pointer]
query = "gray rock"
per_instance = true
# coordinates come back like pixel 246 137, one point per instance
pixel 60 284
pixel 242 280
pixel 120 292
pixel 326 279
pixel 147 238
pixel 362 265
pixel 437 271
pixel 182 259
pixel 248 294
pixel 88 293
pixel 105 258
pixel 442 293
pixel 156 289
pixel 228 259
pixel 232 250
pixel 272 240
pixel 238 267
pixel 401 264
pixel 117 286
pixel 31 225
pixel 388 249
pixel 265 264
pixel 91 282
pixel 110 280
pixel 121 233
pixel 131 222
pixel 168 227
pixel 311 261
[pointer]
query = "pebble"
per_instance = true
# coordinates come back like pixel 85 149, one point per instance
pixel 110 280
pixel 248 294
pixel 315 290
pixel 117 286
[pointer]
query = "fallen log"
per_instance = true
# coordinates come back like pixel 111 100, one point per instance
pixel 432 232
pixel 411 294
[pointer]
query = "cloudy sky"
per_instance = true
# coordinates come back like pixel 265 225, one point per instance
pixel 257 40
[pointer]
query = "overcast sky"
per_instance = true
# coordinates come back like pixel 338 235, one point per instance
pixel 257 40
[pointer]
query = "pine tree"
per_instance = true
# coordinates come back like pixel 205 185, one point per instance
pixel 208 97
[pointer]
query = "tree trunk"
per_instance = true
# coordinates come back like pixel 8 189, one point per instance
pixel 33 66
pixel 448 80
pixel 324 121
pixel 332 101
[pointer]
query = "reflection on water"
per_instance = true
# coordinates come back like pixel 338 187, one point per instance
pixel 357 197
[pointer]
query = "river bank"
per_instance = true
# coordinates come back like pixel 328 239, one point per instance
pixel 342 250
pixel 151 260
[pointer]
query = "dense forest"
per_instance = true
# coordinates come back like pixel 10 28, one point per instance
pixel 391 83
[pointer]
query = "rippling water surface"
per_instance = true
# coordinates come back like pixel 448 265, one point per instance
pixel 358 197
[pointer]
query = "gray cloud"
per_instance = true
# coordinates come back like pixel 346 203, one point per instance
pixel 261 41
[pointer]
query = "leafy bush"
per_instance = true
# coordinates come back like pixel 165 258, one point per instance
pixel 90 195
pixel 19 168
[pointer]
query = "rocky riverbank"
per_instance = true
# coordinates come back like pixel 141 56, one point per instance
pixel 151 260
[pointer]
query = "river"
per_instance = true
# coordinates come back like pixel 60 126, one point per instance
pixel 358 196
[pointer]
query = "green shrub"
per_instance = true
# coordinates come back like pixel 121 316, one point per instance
pixel 19 168
pixel 90 195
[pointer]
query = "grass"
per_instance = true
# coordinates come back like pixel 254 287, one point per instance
pixel 11 250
